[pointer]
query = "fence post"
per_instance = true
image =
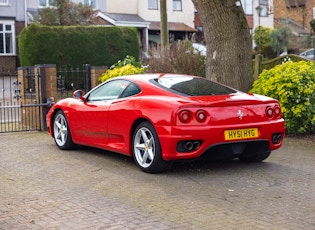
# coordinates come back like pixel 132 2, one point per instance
pixel 87 77
pixel 27 96
pixel 96 72
pixel 258 58
pixel 46 82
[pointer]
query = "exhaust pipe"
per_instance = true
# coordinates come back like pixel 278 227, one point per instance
pixel 276 138
pixel 196 145
pixel 188 146
pixel 191 145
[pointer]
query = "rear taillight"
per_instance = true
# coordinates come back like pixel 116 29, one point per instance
pixel 269 112
pixel 273 111
pixel 277 110
pixel 184 116
pixel 201 116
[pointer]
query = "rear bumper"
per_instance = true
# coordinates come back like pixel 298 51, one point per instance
pixel 213 141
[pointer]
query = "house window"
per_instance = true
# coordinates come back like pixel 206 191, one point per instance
pixel 4 2
pixel 293 3
pixel 199 28
pixel 45 3
pixel 7 38
pixel 177 5
pixel 264 5
pixel 91 3
pixel 152 4
pixel 248 6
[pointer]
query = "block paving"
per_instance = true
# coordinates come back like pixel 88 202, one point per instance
pixel 42 187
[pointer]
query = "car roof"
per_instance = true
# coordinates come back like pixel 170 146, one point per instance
pixel 312 49
pixel 146 77
pixel 148 86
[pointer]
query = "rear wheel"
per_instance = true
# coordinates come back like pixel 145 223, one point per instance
pixel 61 131
pixel 147 150
pixel 255 158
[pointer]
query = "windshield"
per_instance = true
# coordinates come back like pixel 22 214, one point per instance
pixel 193 86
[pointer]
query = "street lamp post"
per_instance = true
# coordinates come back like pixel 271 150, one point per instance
pixel 259 9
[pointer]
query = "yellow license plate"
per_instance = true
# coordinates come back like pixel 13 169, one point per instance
pixel 238 134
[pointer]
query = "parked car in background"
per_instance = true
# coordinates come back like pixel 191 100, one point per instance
pixel 200 48
pixel 309 54
pixel 161 118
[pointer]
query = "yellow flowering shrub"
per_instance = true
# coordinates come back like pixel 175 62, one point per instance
pixel 293 84
pixel 121 71
pixel 128 66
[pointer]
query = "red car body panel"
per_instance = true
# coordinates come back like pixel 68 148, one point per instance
pixel 109 124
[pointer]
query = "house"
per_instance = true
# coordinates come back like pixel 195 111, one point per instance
pixel 257 12
pixel 296 14
pixel 142 14
pixel 145 16
pixel 12 21
pixel 262 14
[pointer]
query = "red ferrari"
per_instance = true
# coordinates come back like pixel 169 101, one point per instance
pixel 162 118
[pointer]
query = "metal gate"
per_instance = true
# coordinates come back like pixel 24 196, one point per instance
pixel 25 95
pixel 19 105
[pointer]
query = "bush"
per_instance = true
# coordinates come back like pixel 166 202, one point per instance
pixel 180 58
pixel 128 60
pixel 293 84
pixel 262 36
pixel 128 66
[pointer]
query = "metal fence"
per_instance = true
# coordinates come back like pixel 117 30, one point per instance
pixel 70 79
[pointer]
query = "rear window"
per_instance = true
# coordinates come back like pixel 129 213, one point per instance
pixel 193 86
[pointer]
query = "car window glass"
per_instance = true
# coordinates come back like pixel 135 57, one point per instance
pixel 132 89
pixel 108 91
pixel 192 86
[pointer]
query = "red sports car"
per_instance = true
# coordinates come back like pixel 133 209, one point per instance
pixel 162 118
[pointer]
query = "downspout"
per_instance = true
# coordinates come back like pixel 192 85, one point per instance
pixel 25 10
pixel 147 38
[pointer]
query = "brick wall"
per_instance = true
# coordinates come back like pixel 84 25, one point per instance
pixel 302 14
pixel 197 20
pixel 19 26
pixel 8 62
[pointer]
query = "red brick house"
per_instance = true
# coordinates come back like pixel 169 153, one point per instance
pixel 297 14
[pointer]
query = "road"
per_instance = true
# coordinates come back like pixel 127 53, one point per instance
pixel 42 187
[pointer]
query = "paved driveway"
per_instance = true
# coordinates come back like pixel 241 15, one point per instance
pixel 42 187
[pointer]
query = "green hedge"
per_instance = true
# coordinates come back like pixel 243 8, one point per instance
pixel 76 45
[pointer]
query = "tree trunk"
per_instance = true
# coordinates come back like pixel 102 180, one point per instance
pixel 229 44
pixel 164 27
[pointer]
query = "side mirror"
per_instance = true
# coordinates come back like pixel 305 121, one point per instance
pixel 78 94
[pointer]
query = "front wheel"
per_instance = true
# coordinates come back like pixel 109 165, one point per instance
pixel 61 131
pixel 147 150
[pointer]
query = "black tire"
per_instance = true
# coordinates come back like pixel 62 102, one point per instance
pixel 255 158
pixel 146 149
pixel 61 131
